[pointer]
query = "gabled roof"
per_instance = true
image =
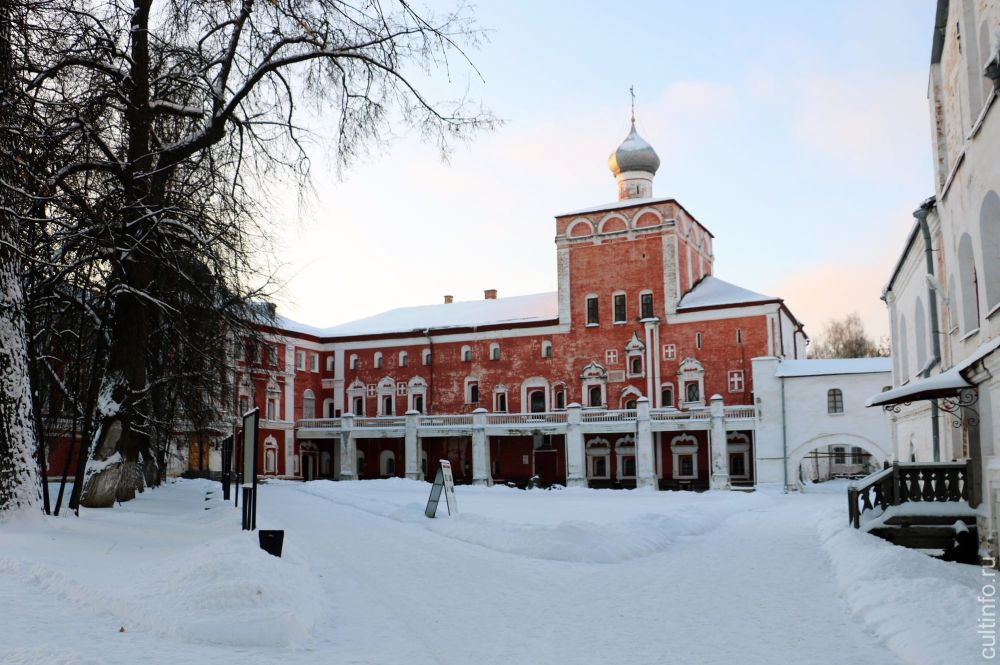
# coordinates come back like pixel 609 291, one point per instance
pixel 537 307
pixel 712 292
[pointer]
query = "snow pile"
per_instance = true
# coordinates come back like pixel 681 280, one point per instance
pixel 924 609
pixel 172 563
pixel 573 524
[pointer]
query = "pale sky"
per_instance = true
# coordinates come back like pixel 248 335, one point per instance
pixel 797 132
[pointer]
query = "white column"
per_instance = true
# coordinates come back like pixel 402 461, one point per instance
pixel 649 360
pixel 288 406
pixel 411 447
pixel 719 459
pixel 480 449
pixel 348 449
pixel 645 469
pixel 575 470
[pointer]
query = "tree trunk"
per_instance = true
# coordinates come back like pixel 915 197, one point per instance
pixel 19 487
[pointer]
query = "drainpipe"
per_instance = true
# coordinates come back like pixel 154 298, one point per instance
pixel 921 216
pixel 784 440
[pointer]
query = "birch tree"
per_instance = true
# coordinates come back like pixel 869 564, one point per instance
pixel 157 126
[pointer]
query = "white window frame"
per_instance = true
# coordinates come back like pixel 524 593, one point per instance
pixel 465 354
pixel 652 314
pixel 354 361
pixel 697 340
pixel 500 393
pixel 377 360
pixel 426 357
pixel 401 389
pixel 330 359
pixel 314 362
pixel 404 358
pixel 469 382
pixel 494 351
pixel 308 396
pixel 586 310
pixel 383 460
pixel 546 349
pixel 611 357
pixel 669 351
pixel 270 456
pixel 680 445
pixel 738 443
pixel 272 355
pixel 300 360
pixel 625 447
pixel 615 295
pixel 673 395
pixel 598 448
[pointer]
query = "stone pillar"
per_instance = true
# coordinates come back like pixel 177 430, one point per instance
pixel 719 459
pixel 576 475
pixel 645 468
pixel 411 447
pixel 480 449
pixel 348 449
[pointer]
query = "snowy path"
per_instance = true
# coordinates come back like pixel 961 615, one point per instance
pixel 757 589
pixel 577 576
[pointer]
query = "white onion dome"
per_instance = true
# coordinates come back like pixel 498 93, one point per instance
pixel 634 154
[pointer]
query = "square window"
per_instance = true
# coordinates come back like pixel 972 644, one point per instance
pixel 611 357
pixel 669 351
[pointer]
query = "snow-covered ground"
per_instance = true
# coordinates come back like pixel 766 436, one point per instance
pixel 574 576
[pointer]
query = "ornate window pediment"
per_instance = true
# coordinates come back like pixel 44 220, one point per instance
pixel 594 371
pixel 635 345
pixel 690 366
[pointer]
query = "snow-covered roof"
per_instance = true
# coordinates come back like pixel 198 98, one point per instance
pixel 714 292
pixel 467 314
pixel 946 384
pixel 830 366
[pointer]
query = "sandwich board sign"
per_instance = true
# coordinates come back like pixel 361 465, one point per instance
pixel 444 481
pixel 251 423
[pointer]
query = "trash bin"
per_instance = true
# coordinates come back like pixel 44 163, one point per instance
pixel 271 540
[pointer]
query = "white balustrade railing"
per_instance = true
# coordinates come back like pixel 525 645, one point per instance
pixel 318 422
pixel 525 418
pixel 608 416
pixel 739 412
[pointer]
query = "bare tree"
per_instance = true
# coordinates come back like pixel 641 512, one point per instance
pixel 155 130
pixel 846 338
pixel 18 479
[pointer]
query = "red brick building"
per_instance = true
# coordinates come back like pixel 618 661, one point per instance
pixel 607 382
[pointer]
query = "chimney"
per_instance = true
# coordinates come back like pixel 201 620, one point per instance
pixel 490 294
pixel 448 300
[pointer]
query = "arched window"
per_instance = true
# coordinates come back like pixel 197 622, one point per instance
pixel 666 395
pixel 466 355
pixel 387 463
pixel 494 351
pixel 418 403
pixel 329 363
pixel 500 399
pixel 594 397
pixel 536 401
pixel 471 390
pixel 920 335
pixel 692 392
pixel 426 356
pixel 403 358
pixel 834 401
pixel 270 455
pixel 361 463
pixel 559 397
pixel 387 407
pixel 546 349
pixel 635 365
pixel 308 404
pixel 378 359
pixel 273 406
pixel 969 284
pixel 354 361
pixel 989 229
pixel 985 53
pixel 358 405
